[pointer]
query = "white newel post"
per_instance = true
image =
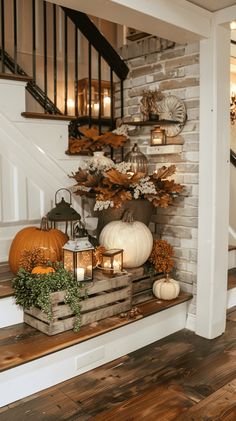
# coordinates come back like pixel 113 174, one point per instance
pixel 213 183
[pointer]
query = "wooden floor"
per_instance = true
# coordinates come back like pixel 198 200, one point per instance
pixel 182 377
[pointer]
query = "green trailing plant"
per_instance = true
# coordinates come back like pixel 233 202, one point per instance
pixel 33 290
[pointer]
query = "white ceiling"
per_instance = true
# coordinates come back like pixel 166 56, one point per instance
pixel 213 5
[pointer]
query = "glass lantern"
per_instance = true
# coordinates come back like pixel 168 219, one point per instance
pixel 112 262
pixel 138 161
pixel 78 258
pixel 63 213
pixel 158 136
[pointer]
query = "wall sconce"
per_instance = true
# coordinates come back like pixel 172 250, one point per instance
pixel 158 136
pixel 233 108
pixel 78 258
pixel 63 213
pixel 112 262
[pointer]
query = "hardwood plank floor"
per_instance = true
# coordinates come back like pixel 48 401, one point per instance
pixel 182 377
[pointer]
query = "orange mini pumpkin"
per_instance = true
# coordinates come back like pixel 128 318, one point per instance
pixel 42 269
pixel 49 240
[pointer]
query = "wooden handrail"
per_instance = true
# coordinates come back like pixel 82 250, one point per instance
pixel 98 41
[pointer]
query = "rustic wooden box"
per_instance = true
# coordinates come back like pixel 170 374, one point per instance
pixel 105 297
pixel 142 283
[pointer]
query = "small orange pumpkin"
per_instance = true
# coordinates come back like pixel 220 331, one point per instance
pixel 42 269
pixel 49 240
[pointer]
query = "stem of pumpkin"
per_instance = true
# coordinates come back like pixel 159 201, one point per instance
pixel 44 224
pixel 128 216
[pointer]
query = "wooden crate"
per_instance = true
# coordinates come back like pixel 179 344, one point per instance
pixel 142 284
pixel 105 297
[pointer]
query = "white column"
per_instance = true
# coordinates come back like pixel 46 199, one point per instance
pixel 213 183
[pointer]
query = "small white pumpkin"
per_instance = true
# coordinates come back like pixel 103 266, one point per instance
pixel 166 288
pixel 132 236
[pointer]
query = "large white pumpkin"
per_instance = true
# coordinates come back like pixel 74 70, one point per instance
pixel 133 237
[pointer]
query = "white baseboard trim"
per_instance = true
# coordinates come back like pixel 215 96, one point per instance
pixel 37 375
pixel 191 322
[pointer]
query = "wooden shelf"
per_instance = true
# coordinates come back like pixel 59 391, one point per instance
pixel 164 149
pixel 152 122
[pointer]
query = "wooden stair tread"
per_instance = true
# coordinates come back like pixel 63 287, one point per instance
pixel 12 76
pixel 21 343
pixel 231 278
pixel 6 289
pixel 43 116
pixel 231 248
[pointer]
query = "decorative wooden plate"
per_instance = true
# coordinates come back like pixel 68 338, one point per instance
pixel 172 108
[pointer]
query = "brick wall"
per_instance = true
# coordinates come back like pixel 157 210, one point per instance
pixel 175 70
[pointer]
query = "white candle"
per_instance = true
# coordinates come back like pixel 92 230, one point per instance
pixel 80 274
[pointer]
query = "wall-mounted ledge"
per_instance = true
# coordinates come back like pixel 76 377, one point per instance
pixel 164 149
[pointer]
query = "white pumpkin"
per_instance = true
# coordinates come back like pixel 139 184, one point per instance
pixel 166 288
pixel 133 237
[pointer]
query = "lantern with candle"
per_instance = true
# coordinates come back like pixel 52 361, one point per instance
pixel 158 136
pixel 78 257
pixel 63 213
pixel 138 161
pixel 112 262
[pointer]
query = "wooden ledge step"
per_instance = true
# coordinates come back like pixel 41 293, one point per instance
pixel 43 116
pixel 231 248
pixel 21 343
pixel 13 76
pixel 231 278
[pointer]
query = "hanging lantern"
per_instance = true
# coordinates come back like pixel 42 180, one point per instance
pixel 158 136
pixel 63 213
pixel 112 262
pixel 138 161
pixel 78 257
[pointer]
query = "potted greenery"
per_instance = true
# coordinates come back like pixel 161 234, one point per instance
pixel 34 289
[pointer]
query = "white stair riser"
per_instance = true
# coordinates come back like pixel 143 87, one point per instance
pixel 231 298
pixel 63 365
pixel 10 313
pixel 231 259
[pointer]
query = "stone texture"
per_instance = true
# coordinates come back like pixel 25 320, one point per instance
pixel 175 71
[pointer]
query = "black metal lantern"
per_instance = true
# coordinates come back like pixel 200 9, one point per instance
pixel 112 262
pixel 63 212
pixel 138 161
pixel 78 257
pixel 158 136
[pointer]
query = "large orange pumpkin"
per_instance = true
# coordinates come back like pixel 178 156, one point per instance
pixel 50 241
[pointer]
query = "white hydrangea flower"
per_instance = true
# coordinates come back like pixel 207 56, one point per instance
pixel 123 167
pixel 122 130
pixel 144 187
pixel 103 204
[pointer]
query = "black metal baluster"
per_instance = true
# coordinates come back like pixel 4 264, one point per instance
pixel 45 53
pixel 111 107
pixel 121 98
pixel 111 99
pixel 55 54
pixel 15 34
pixel 122 110
pixel 89 83
pixel 33 41
pixel 99 93
pixel 65 63
pixel 76 72
pixel 3 36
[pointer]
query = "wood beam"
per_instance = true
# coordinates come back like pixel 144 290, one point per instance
pixel 176 20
